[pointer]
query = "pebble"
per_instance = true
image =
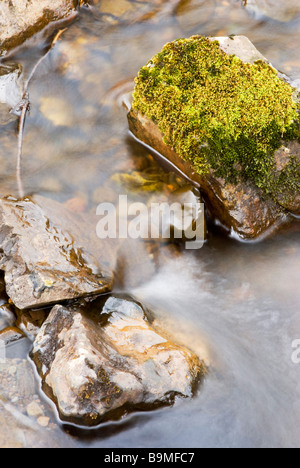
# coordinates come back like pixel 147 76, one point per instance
pixel 34 410
pixel 12 370
pixel 43 421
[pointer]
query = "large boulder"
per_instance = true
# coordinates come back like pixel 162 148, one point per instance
pixel 21 19
pixel 101 360
pixel 44 257
pixel 219 112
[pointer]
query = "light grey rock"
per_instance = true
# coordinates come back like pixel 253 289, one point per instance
pixel 100 361
pixel 22 19
pixel 43 263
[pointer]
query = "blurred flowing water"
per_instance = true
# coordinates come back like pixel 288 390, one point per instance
pixel 237 305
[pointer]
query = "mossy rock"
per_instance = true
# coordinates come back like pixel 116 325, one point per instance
pixel 228 118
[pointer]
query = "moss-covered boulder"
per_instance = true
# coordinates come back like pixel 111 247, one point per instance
pixel 22 19
pixel 223 115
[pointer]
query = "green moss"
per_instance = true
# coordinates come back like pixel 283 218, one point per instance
pixel 216 111
pixel 286 183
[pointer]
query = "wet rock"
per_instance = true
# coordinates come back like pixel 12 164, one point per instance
pixel 21 19
pixel 10 335
pixel 43 421
pixel 31 321
pixel 18 394
pixel 172 207
pixel 10 92
pixel 43 262
pixel 101 361
pixel 34 410
pixel 129 11
pixel 239 204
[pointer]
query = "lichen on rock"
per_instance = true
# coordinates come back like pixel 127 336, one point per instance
pixel 222 114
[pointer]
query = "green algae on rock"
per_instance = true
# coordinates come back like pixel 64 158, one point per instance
pixel 218 112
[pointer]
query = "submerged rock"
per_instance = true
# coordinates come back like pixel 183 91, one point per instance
pixel 238 141
pixel 44 263
pixel 101 361
pixel 21 19
pixel 10 91
pixel 130 11
pixel 279 11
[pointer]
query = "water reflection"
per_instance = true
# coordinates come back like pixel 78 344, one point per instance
pixel 236 305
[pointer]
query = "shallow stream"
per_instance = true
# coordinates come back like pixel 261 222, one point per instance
pixel 235 304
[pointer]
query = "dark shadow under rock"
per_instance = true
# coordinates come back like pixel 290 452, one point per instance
pixel 99 361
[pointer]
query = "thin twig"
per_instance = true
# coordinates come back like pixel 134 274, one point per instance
pixel 23 108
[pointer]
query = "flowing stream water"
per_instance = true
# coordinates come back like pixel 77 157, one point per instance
pixel 237 305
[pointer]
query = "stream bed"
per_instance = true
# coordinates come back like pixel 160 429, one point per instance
pixel 234 304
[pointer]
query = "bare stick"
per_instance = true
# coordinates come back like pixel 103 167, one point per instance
pixel 24 107
pixel 24 111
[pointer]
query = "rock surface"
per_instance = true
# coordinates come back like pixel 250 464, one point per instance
pixel 21 19
pixel 30 321
pixel 130 11
pixel 10 335
pixel 43 263
pixel 20 405
pixel 240 206
pixel 10 91
pixel 99 364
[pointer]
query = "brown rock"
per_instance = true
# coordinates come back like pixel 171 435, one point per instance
pixel 21 19
pixel 242 207
pixel 31 321
pixel 101 361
